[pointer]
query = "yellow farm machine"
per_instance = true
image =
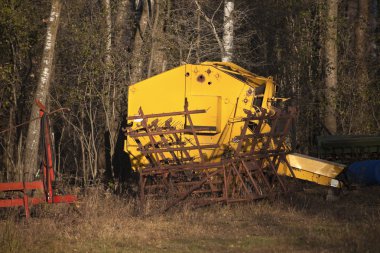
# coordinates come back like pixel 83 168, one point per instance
pixel 210 133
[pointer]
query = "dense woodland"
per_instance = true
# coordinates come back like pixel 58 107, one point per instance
pixel 83 54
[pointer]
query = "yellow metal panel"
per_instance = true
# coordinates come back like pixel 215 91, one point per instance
pixel 248 77
pixel 312 169
pixel 308 176
pixel 315 165
pixel 207 81
pixel 162 93
pixel 159 94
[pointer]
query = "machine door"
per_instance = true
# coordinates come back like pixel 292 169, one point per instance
pixel 209 122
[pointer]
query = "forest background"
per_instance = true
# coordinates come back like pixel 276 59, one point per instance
pixel 83 55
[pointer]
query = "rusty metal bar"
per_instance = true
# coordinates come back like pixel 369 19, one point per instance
pixel 241 179
pixel 195 187
pixel 178 140
pixel 179 149
pixel 152 140
pixel 158 115
pixel 271 165
pixel 165 141
pixel 259 169
pixel 193 130
pixel 250 177
pixel 250 136
pixel 184 167
pixel 243 132
pixel 255 139
pixel 185 131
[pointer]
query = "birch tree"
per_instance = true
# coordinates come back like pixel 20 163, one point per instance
pixel 107 97
pixel 228 30
pixel 107 9
pixel 331 55
pixel 32 141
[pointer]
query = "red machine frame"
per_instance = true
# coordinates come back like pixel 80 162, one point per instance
pixel 44 185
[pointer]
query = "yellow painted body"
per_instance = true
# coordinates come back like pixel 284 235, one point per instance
pixel 312 169
pixel 224 90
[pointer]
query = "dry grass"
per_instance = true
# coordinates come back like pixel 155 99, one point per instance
pixel 300 222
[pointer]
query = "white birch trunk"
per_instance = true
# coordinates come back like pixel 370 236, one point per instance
pixel 107 86
pixel 331 55
pixel 107 9
pixel 228 34
pixel 32 140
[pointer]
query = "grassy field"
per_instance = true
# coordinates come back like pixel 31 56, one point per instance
pixel 302 221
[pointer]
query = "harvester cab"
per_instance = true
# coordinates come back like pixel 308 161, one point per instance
pixel 210 130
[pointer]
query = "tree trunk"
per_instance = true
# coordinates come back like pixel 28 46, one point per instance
pixel 352 11
pixel 32 140
pixel 361 76
pixel 198 42
pixel 108 97
pixel 157 59
pixel 107 9
pixel 331 55
pixel 373 27
pixel 140 38
pixel 361 45
pixel 9 148
pixel 123 26
pixel 228 34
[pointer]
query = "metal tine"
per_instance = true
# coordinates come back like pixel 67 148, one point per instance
pixel 241 180
pixel 154 124
pixel 152 140
pixel 243 133
pixel 272 166
pixel 253 181
pixel 176 124
pixel 261 173
pixel 177 138
pixel 256 137
pixel 195 136
pixel 165 141
pixel 161 124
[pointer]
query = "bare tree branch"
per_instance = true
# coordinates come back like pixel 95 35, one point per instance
pixel 213 28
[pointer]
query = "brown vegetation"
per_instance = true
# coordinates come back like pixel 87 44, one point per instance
pixel 302 221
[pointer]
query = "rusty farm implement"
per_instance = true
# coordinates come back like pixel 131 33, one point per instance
pixel 27 194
